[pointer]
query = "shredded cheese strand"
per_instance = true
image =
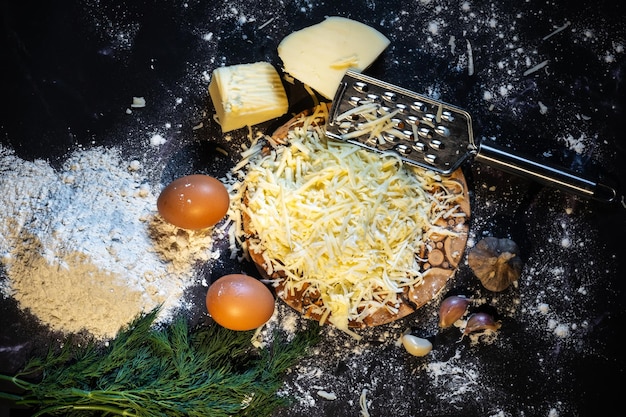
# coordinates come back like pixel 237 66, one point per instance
pixel 363 403
pixel 342 224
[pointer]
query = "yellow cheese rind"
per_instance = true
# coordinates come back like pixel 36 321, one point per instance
pixel 247 94
pixel 320 55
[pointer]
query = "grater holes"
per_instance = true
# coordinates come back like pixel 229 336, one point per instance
pixel 429 118
pixel 385 119
pixel 424 132
pixel 399 123
pixel 418 106
pixel 430 158
pixel 361 87
pixel 383 110
pixel 436 144
pixel 395 135
pixel 442 131
pixel 389 137
pixel 419 146
pixel 359 101
pixel 389 96
pixel 354 100
pixel 447 116
pixel 412 120
pixel 402 149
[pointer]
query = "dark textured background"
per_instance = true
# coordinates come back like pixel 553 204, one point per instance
pixel 67 82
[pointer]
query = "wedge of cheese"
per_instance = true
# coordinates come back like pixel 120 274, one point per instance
pixel 319 55
pixel 247 94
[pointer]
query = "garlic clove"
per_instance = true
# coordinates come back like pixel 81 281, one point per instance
pixel 479 322
pixel 452 309
pixel 416 346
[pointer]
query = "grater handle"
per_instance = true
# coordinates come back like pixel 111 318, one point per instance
pixel 551 175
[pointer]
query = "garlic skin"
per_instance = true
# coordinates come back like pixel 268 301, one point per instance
pixel 452 309
pixel 496 263
pixel 416 346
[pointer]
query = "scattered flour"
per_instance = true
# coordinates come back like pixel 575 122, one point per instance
pixel 84 248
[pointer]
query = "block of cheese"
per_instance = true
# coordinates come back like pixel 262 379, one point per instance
pixel 247 94
pixel 319 55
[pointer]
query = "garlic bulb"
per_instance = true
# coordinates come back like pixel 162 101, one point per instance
pixel 495 262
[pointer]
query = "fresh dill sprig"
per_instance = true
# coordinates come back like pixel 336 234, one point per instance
pixel 172 370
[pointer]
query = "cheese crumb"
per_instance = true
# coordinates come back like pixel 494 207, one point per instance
pixel 138 102
pixel 327 395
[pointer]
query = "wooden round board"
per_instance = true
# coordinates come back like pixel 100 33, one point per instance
pixel 439 259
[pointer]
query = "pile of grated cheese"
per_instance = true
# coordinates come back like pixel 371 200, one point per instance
pixel 343 224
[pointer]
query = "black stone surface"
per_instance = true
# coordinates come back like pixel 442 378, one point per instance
pixel 70 69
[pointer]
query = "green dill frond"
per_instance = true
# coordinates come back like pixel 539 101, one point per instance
pixel 173 370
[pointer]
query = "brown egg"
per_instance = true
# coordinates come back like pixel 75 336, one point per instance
pixel 193 202
pixel 239 302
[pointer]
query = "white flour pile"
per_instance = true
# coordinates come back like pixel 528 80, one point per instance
pixel 83 247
